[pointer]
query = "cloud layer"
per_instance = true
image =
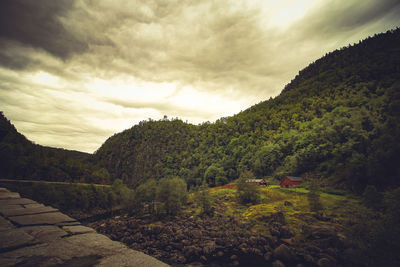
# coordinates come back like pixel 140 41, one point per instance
pixel 73 73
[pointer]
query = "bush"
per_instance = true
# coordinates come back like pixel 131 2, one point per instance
pixel 215 175
pixel 247 192
pixel 171 195
pixel 314 197
pixel 203 199
pixel 377 232
pixel 145 196
pixel 371 197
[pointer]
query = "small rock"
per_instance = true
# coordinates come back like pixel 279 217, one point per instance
pixel 288 203
pixel 278 263
pixel 234 257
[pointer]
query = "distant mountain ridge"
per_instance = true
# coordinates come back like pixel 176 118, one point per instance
pixel 337 119
pixel 22 159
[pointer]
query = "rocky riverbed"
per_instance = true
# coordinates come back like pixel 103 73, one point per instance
pixel 227 241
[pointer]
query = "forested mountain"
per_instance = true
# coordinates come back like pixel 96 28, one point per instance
pixel 338 118
pixel 22 159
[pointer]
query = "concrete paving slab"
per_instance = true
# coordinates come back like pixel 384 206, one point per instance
pixel 16 201
pixel 51 238
pixel 130 258
pixel 44 233
pixel 84 246
pixel 41 219
pixel 27 211
pixel 68 223
pixel 9 195
pixel 14 238
pixel 34 205
pixel 5 225
pixel 78 229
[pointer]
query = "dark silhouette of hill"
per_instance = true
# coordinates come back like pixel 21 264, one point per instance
pixel 22 159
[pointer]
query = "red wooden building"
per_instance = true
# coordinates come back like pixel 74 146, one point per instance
pixel 291 181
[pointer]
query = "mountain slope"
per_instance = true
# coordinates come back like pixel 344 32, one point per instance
pixel 338 118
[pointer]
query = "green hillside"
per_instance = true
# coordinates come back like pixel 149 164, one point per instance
pixel 338 118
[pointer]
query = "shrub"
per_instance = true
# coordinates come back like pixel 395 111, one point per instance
pixel 171 195
pixel 203 199
pixel 371 197
pixel 247 192
pixel 314 197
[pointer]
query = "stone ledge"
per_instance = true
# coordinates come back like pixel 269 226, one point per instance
pixel 27 211
pixel 43 236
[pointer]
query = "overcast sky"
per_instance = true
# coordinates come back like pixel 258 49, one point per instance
pixel 72 73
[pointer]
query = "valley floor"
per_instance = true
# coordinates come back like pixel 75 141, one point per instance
pixel 281 231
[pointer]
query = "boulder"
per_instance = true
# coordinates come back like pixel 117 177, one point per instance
pixel 321 232
pixel 267 256
pixel 191 251
pixel 209 247
pixel 274 232
pixel 278 217
pixel 325 262
pixel 284 253
pixel 235 263
pixel 203 258
pixel 278 263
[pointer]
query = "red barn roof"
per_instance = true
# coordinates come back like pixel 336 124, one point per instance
pixel 290 181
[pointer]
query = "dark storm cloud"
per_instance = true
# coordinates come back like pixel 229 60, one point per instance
pixel 338 17
pixel 37 23
pixel 102 65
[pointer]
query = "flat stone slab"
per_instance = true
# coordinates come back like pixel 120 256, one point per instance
pixel 32 234
pixel 14 238
pixel 27 211
pixel 130 258
pixel 16 201
pixel 5 225
pixel 44 233
pixel 41 219
pixel 78 229
pixel 9 195
pixel 94 249
pixel 2 189
pixel 36 205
